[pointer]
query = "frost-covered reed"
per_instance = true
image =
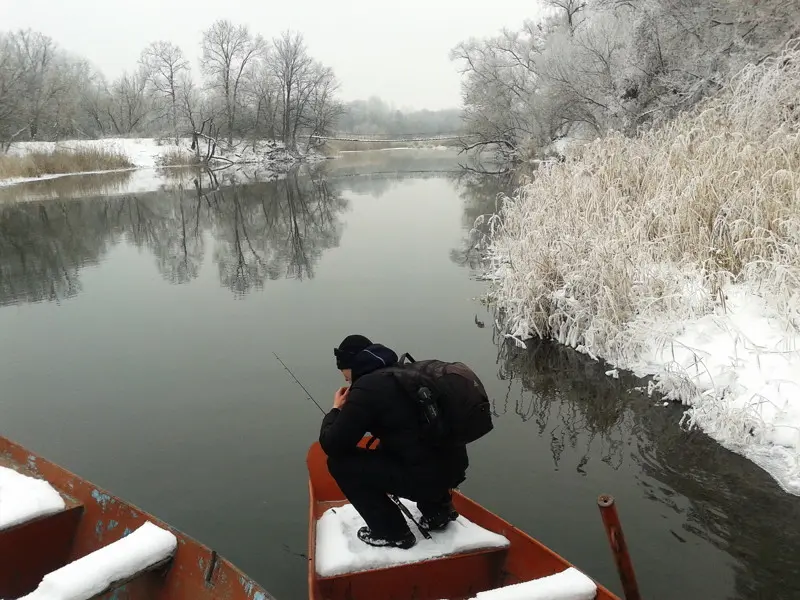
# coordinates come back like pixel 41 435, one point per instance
pixel 620 246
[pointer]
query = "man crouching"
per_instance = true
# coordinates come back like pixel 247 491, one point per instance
pixel 403 464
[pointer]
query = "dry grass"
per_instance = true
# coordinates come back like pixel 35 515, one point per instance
pixel 61 160
pixel 177 157
pixel 633 232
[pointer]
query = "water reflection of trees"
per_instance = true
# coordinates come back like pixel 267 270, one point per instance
pixel 729 502
pixel 569 410
pixel 260 231
pixel 44 246
pixel 378 183
pixel 481 194
pixel 273 230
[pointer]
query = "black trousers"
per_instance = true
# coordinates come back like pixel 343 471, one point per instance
pixel 366 477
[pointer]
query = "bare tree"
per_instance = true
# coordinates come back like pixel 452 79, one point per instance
pixel 46 93
pixel 65 115
pixel 292 67
pixel 595 65
pixel 193 105
pixel 570 10
pixel 37 53
pixel 228 52
pixel 94 101
pixel 264 96
pixel 40 88
pixel 499 89
pixel 12 72
pixel 164 65
pixel 321 110
pixel 127 105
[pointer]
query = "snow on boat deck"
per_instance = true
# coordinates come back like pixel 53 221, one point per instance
pixel 24 498
pixel 146 547
pixel 567 585
pixel 339 550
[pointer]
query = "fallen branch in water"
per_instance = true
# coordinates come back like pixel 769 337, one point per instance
pixel 488 143
pixel 483 171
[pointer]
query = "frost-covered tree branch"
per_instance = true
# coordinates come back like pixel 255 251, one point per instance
pixel 164 66
pixel 229 52
pixel 591 66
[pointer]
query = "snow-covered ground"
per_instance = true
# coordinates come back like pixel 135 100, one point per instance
pixel 737 369
pixel 148 154
pixel 144 153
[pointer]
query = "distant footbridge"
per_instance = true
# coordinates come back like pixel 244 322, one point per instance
pixel 393 138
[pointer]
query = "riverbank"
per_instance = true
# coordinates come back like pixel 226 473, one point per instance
pixel 676 255
pixel 35 161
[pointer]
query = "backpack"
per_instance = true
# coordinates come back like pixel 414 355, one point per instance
pixel 454 406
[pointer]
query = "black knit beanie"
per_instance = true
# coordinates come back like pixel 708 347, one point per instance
pixel 347 350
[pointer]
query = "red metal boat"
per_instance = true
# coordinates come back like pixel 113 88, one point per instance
pixel 455 577
pixel 93 519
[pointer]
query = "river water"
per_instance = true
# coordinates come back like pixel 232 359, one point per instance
pixel 137 332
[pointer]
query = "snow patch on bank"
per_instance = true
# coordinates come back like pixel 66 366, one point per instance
pixel 144 153
pixel 738 368
pixel 15 180
pixel 735 364
pixel 151 153
pixel 24 498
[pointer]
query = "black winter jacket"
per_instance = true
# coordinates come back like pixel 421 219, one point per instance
pixel 376 405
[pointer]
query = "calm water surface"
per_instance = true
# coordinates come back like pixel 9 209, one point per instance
pixel 136 341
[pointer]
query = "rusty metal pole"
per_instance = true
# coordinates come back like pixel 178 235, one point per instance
pixel 608 511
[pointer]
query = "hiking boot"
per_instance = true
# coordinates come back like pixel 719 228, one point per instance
pixel 406 541
pixel 438 520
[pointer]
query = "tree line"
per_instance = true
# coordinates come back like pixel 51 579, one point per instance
pixel 590 66
pixel 248 87
pixel 375 115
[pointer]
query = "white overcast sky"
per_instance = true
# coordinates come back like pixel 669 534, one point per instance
pixel 395 50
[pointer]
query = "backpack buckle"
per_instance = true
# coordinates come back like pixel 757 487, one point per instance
pixel 405 356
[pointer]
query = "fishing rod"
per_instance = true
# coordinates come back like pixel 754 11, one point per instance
pixel 392 497
pixel 310 397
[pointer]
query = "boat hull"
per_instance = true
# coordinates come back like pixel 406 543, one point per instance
pixel 454 577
